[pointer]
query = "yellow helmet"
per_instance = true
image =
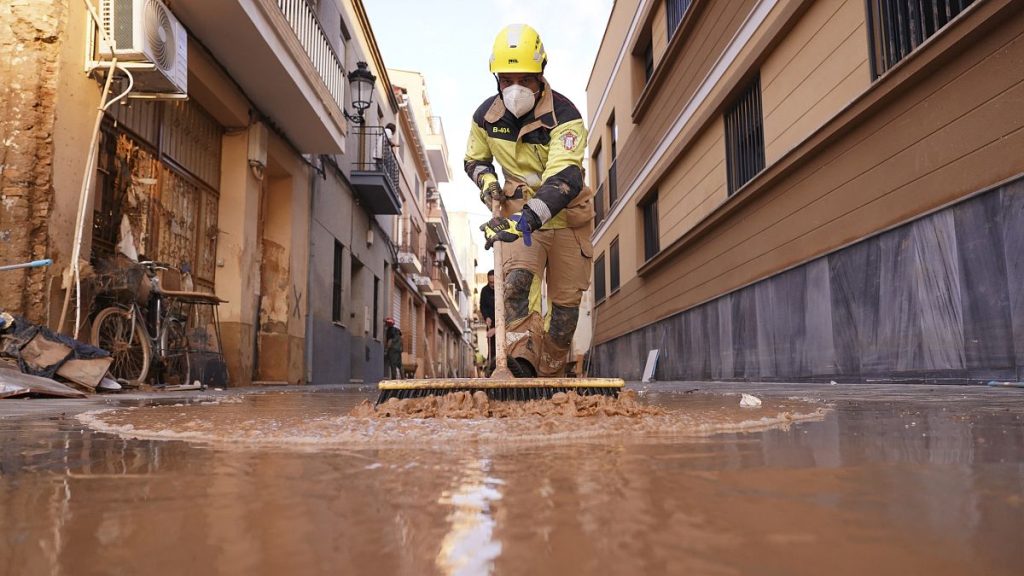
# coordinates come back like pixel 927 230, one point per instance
pixel 518 49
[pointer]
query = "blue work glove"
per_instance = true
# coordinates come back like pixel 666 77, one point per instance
pixel 509 229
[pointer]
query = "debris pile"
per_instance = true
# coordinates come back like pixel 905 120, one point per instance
pixel 478 405
pixel 36 361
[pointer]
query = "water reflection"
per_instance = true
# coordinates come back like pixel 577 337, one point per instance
pixel 469 547
pixel 882 486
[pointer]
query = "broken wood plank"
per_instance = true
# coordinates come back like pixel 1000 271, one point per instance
pixel 41 353
pixel 85 372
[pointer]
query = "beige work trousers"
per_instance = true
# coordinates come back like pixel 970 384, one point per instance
pixel 564 257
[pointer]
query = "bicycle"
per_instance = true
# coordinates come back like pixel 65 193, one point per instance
pixel 134 339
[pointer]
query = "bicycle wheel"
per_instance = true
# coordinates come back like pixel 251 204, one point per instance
pixel 118 332
pixel 174 352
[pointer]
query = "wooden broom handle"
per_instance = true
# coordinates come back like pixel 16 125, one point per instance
pixel 500 361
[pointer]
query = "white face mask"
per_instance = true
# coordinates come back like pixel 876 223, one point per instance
pixel 518 99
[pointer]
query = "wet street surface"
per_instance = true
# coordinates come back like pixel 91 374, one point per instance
pixel 845 479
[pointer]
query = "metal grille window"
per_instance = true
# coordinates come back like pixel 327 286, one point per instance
pixel 613 272
pixel 376 307
pixel 339 254
pixel 192 138
pixel 676 10
pixel 650 215
pixel 744 137
pixel 599 205
pixel 898 27
pixel 599 290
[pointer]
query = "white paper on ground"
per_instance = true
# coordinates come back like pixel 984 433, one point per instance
pixel 652 364
pixel 748 401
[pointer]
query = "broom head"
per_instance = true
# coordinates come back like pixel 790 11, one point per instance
pixel 499 389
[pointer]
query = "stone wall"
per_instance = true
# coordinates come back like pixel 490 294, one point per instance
pixel 31 33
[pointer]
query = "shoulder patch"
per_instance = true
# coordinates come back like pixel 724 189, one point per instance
pixel 570 139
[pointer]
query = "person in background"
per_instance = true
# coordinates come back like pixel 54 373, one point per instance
pixel 487 310
pixel 392 349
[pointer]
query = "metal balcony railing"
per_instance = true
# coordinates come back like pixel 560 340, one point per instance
pixel 599 205
pixel 436 209
pixel 436 126
pixel 376 153
pixel 441 275
pixel 408 242
pixel 304 22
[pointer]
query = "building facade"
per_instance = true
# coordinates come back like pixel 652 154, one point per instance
pixel 809 190
pixel 431 304
pixel 246 165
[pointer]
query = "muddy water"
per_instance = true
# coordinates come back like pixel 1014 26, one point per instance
pixel 288 484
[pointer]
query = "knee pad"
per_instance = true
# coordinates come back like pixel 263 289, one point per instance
pixel 563 324
pixel 517 294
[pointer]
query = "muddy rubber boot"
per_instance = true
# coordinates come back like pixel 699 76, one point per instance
pixel 521 368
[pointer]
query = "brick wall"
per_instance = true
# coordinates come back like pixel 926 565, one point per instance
pixel 30 42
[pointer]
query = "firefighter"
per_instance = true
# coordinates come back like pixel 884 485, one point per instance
pixel 537 137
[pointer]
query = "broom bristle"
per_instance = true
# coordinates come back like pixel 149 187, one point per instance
pixel 498 393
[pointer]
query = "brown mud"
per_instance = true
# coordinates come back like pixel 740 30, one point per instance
pixel 458 417
pixel 477 405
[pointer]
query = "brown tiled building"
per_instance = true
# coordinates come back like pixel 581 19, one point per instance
pixel 810 190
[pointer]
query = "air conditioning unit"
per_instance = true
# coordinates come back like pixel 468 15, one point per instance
pixel 150 40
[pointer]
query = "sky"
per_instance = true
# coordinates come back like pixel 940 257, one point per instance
pixel 449 42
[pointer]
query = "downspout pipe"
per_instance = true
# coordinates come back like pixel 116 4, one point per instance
pixel 313 174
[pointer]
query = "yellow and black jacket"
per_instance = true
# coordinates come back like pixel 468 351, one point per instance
pixel 543 150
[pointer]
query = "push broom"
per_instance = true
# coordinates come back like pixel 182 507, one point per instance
pixel 502 385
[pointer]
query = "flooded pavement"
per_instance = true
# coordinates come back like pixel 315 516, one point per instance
pixel 888 479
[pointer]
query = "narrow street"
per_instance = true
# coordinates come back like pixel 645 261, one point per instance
pixel 889 479
pixel 586 287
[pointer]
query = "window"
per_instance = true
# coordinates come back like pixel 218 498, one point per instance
pixel 649 207
pixel 613 138
pixel 345 37
pixel 898 27
pixel 613 255
pixel 339 253
pixel 345 34
pixel 376 307
pixel 744 137
pixel 676 10
pixel 597 161
pixel 599 292
pixel 648 62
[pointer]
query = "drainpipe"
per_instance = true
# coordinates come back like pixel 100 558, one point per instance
pixel 309 269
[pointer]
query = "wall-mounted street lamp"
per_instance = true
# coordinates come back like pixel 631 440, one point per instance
pixel 440 253
pixel 361 82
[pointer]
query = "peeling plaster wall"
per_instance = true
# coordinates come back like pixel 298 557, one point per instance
pixel 284 264
pixel 30 49
pixel 78 97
